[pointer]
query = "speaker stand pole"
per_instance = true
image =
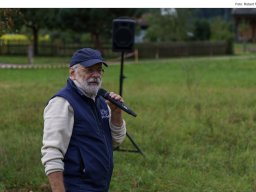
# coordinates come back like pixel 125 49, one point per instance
pixel 122 77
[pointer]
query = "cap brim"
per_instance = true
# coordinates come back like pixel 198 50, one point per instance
pixel 92 62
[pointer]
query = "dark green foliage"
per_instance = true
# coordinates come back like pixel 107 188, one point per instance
pixel 202 30
pixel 209 13
pixel 36 20
pixel 169 27
pixel 9 20
pixel 96 22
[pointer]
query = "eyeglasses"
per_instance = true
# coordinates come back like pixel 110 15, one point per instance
pixel 90 71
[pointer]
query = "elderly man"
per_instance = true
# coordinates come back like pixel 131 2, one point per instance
pixel 81 129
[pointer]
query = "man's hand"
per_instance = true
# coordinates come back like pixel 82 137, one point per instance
pixel 116 112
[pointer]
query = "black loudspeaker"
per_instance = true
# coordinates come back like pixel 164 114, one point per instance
pixel 123 31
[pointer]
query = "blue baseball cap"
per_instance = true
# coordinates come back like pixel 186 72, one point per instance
pixel 87 57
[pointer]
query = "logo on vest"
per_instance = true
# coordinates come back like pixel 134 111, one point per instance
pixel 104 114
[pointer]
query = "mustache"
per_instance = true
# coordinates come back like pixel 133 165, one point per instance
pixel 94 80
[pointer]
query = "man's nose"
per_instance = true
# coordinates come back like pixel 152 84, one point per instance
pixel 96 74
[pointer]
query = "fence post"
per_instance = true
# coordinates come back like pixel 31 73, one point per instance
pixel 136 54
pixel 30 54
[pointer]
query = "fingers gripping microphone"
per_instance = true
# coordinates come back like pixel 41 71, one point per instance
pixel 119 104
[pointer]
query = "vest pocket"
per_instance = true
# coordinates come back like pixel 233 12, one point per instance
pixel 95 170
pixel 73 163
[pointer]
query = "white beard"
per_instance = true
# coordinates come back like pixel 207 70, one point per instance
pixel 89 86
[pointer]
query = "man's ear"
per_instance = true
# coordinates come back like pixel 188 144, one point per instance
pixel 72 73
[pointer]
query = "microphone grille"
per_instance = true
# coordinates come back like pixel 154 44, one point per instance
pixel 102 92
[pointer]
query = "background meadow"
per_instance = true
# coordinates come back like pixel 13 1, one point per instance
pixel 196 124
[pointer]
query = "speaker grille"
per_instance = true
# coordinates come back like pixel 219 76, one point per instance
pixel 123 34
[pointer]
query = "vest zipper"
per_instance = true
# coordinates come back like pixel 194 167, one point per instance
pixel 96 116
pixel 100 127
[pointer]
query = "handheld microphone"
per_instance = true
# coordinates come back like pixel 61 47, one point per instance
pixel 119 104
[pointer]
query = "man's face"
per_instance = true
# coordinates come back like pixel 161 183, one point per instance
pixel 89 78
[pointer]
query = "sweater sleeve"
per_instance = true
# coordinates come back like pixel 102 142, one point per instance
pixel 58 127
pixel 118 133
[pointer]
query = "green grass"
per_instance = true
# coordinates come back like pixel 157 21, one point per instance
pixel 196 125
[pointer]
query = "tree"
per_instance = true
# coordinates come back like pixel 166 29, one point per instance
pixel 168 25
pixel 202 30
pixel 37 19
pixel 245 32
pixel 209 13
pixel 97 22
pixel 221 29
pixel 8 20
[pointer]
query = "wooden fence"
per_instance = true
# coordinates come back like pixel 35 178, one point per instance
pixel 144 50
pixel 183 49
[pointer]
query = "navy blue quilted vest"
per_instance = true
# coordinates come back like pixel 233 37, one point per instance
pixel 88 162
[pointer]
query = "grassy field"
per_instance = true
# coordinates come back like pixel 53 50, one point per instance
pixel 196 125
